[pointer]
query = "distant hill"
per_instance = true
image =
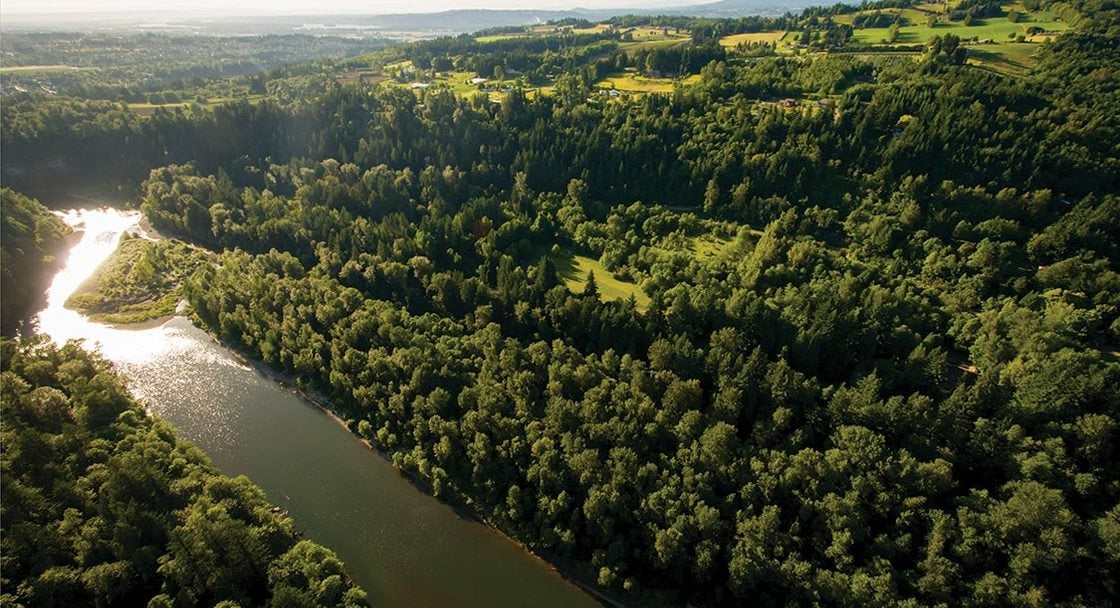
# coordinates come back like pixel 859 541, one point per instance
pixel 446 22
pixel 472 20
pixel 743 8
pixel 393 25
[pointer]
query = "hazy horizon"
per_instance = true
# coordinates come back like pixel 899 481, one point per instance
pixel 220 8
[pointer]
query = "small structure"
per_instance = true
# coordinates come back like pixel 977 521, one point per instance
pixel 477 80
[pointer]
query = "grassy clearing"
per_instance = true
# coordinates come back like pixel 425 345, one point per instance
pixel 598 28
pixel 633 47
pixel 141 281
pixel 147 109
pixel 705 248
pixel 576 268
pixel 359 76
pixel 500 37
pixel 735 40
pixel 655 33
pixel 710 246
pixel 634 83
pixel 1007 58
pixel 459 84
pixel 914 16
pixel 545 91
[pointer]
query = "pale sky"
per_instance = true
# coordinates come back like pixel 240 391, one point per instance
pixel 306 7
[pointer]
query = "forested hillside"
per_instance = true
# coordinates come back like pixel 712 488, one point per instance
pixel 877 355
pixel 31 243
pixel 103 506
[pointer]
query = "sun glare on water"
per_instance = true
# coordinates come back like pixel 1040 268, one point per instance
pixel 101 231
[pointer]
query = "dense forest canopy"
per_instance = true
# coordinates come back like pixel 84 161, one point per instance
pixel 819 328
pixel 103 506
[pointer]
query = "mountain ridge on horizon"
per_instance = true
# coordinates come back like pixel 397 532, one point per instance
pixel 446 21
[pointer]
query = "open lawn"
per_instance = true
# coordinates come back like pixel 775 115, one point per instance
pixel 735 40
pixel 575 270
pixel 635 83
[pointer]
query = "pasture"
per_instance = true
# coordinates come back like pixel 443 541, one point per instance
pixel 916 28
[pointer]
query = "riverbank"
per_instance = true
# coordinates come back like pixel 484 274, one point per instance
pixel 460 503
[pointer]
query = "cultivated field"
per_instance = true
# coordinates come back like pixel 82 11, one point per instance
pixel 632 82
pixel 735 40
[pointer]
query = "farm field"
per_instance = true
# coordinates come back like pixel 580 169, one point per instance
pixel 634 83
pixel 500 37
pixel 633 47
pixel 598 28
pixel 735 40
pixel 40 68
pixel 638 38
pixel 147 109
pixel 1014 58
pixel 358 76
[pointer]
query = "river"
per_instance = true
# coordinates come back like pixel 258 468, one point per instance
pixel 403 546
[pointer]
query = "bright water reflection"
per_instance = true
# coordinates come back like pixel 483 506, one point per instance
pixel 404 547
